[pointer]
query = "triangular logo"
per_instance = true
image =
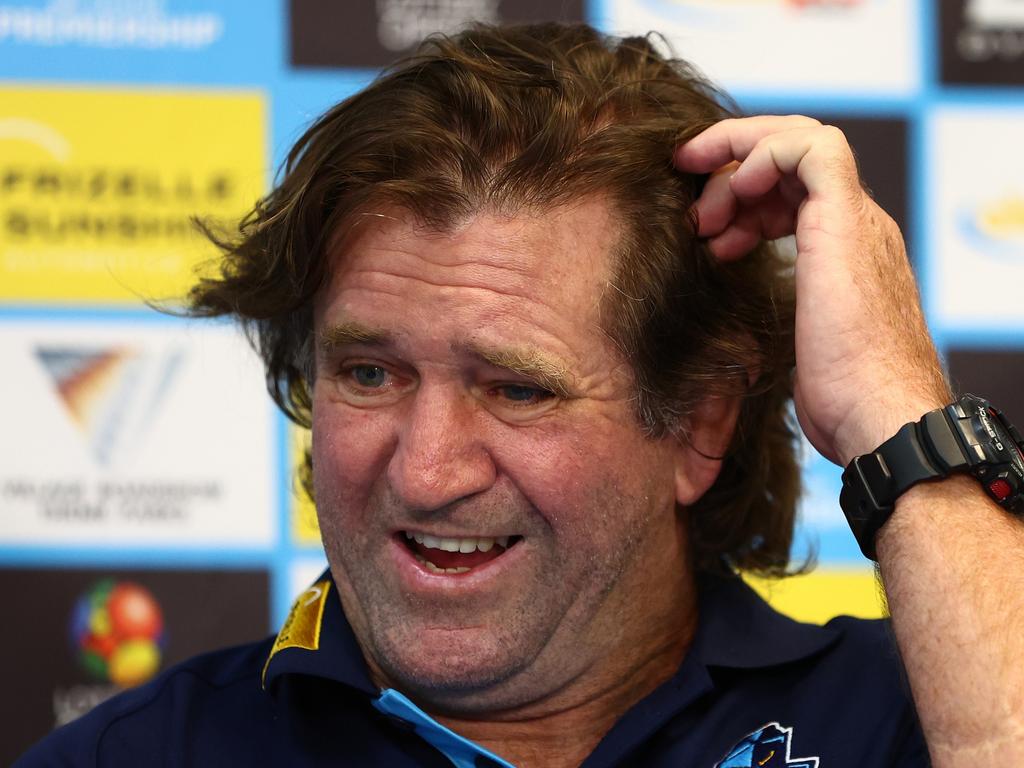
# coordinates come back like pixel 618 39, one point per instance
pixel 110 393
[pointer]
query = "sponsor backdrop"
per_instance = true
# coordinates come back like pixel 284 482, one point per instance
pixel 148 509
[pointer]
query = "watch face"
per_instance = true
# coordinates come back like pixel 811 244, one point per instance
pixel 1004 477
pixel 998 438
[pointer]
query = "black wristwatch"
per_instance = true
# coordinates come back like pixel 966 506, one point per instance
pixel 969 436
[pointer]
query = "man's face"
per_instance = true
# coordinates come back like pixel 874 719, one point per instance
pixel 466 397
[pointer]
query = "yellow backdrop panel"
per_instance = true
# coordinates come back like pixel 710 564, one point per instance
pixel 825 592
pixel 98 187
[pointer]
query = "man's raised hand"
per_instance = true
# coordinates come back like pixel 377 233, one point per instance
pixel 865 361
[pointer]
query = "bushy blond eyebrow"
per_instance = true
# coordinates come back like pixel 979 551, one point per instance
pixel 528 363
pixel 334 336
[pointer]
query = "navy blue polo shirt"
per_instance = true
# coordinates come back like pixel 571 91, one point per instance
pixel 756 689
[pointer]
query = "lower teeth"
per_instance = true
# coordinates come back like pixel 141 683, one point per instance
pixel 434 569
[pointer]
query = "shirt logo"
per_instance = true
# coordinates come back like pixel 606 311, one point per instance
pixel 767 747
pixel 302 627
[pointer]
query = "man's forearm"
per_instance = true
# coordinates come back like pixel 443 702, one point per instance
pixel 952 562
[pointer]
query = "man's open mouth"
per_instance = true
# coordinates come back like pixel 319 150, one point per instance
pixel 455 555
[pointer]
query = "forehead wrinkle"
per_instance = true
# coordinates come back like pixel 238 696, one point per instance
pixel 380 279
pixel 525 361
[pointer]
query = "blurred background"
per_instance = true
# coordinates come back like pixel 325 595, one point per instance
pixel 147 503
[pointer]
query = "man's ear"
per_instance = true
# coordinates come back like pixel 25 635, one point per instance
pixel 702 445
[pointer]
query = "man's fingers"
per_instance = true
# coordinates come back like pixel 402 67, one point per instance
pixel 819 157
pixel 764 169
pixel 771 219
pixel 733 139
pixel 739 239
pixel 716 205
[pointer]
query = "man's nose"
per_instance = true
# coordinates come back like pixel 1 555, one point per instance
pixel 440 456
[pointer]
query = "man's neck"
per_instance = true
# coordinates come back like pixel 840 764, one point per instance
pixel 557 737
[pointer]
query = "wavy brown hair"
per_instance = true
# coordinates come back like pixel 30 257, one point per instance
pixel 521 119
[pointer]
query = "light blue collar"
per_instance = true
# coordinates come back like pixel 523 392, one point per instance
pixel 461 751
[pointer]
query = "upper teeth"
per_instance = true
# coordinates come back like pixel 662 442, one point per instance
pixel 483 543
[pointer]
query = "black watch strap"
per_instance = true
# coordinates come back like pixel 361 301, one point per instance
pixel 967 436
pixel 873 482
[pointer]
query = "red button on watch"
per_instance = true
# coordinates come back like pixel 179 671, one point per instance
pixel 1000 489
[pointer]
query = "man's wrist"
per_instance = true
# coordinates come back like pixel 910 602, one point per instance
pixel 879 420
pixel 967 436
pixel 918 511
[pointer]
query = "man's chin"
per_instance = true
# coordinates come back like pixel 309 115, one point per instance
pixel 451 665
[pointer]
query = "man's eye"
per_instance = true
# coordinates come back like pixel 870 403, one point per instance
pixel 521 394
pixel 369 376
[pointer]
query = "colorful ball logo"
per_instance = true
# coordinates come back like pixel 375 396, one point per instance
pixel 117 629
